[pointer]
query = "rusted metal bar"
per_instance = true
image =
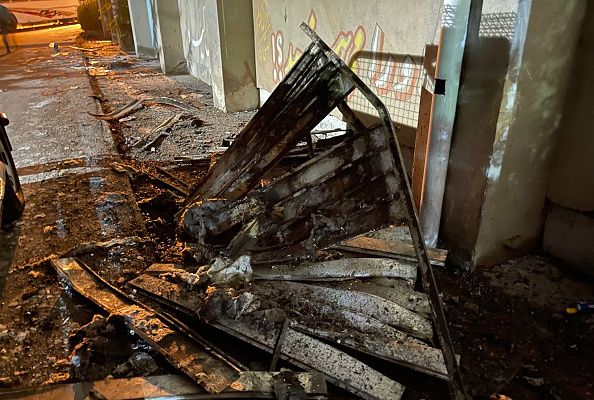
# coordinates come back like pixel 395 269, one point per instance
pixel 351 117
pixel 279 344
pixel 310 147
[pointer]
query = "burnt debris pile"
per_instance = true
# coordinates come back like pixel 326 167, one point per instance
pixel 285 261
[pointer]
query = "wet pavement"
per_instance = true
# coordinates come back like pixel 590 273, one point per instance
pixel 73 195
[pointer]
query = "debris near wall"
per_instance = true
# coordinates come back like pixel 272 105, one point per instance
pixel 269 257
pixel 356 186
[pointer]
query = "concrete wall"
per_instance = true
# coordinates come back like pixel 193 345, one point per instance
pixel 513 212
pixel 569 228
pixel 200 32
pixel 219 48
pixel 506 133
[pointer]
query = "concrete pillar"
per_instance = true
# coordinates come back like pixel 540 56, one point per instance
pixel 499 208
pixel 238 57
pixel 218 39
pixel 168 34
pixel 142 29
pixel 569 228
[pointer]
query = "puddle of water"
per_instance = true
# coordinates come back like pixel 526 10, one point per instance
pixel 60 223
pixel 102 208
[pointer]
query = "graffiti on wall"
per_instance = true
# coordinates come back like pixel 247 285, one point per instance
pixel 396 77
pixel 194 26
pixel 262 30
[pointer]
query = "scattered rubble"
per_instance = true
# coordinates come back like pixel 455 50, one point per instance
pixel 275 251
pixel 251 247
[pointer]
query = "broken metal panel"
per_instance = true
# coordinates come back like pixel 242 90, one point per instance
pixel 353 176
pixel 211 372
pixel 340 369
pixel 428 279
pixel 326 231
pixel 306 352
pixel 304 306
pixel 290 114
pixel 169 291
pixel 362 303
pixel 397 292
pixel 417 356
pixel 332 206
pixel 265 381
pixel 370 141
pixel 345 268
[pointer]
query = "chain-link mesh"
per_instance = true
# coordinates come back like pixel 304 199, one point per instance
pixel 498 25
pixel 396 79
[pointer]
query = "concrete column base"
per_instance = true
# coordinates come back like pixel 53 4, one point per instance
pixel 169 39
pixel 143 29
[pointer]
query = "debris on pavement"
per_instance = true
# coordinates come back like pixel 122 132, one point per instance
pixel 154 135
pixel 171 102
pixel 251 384
pixel 260 245
pixel 182 347
pixel 358 185
pixel 122 112
pixel 137 104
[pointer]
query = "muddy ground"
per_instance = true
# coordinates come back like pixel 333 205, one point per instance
pixel 507 322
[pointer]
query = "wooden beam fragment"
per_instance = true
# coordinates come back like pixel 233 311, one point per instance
pixel 382 248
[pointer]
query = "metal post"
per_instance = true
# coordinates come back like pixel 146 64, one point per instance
pixel 449 65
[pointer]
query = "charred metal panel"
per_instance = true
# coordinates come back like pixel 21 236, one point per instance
pixel 357 186
pixel 211 372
